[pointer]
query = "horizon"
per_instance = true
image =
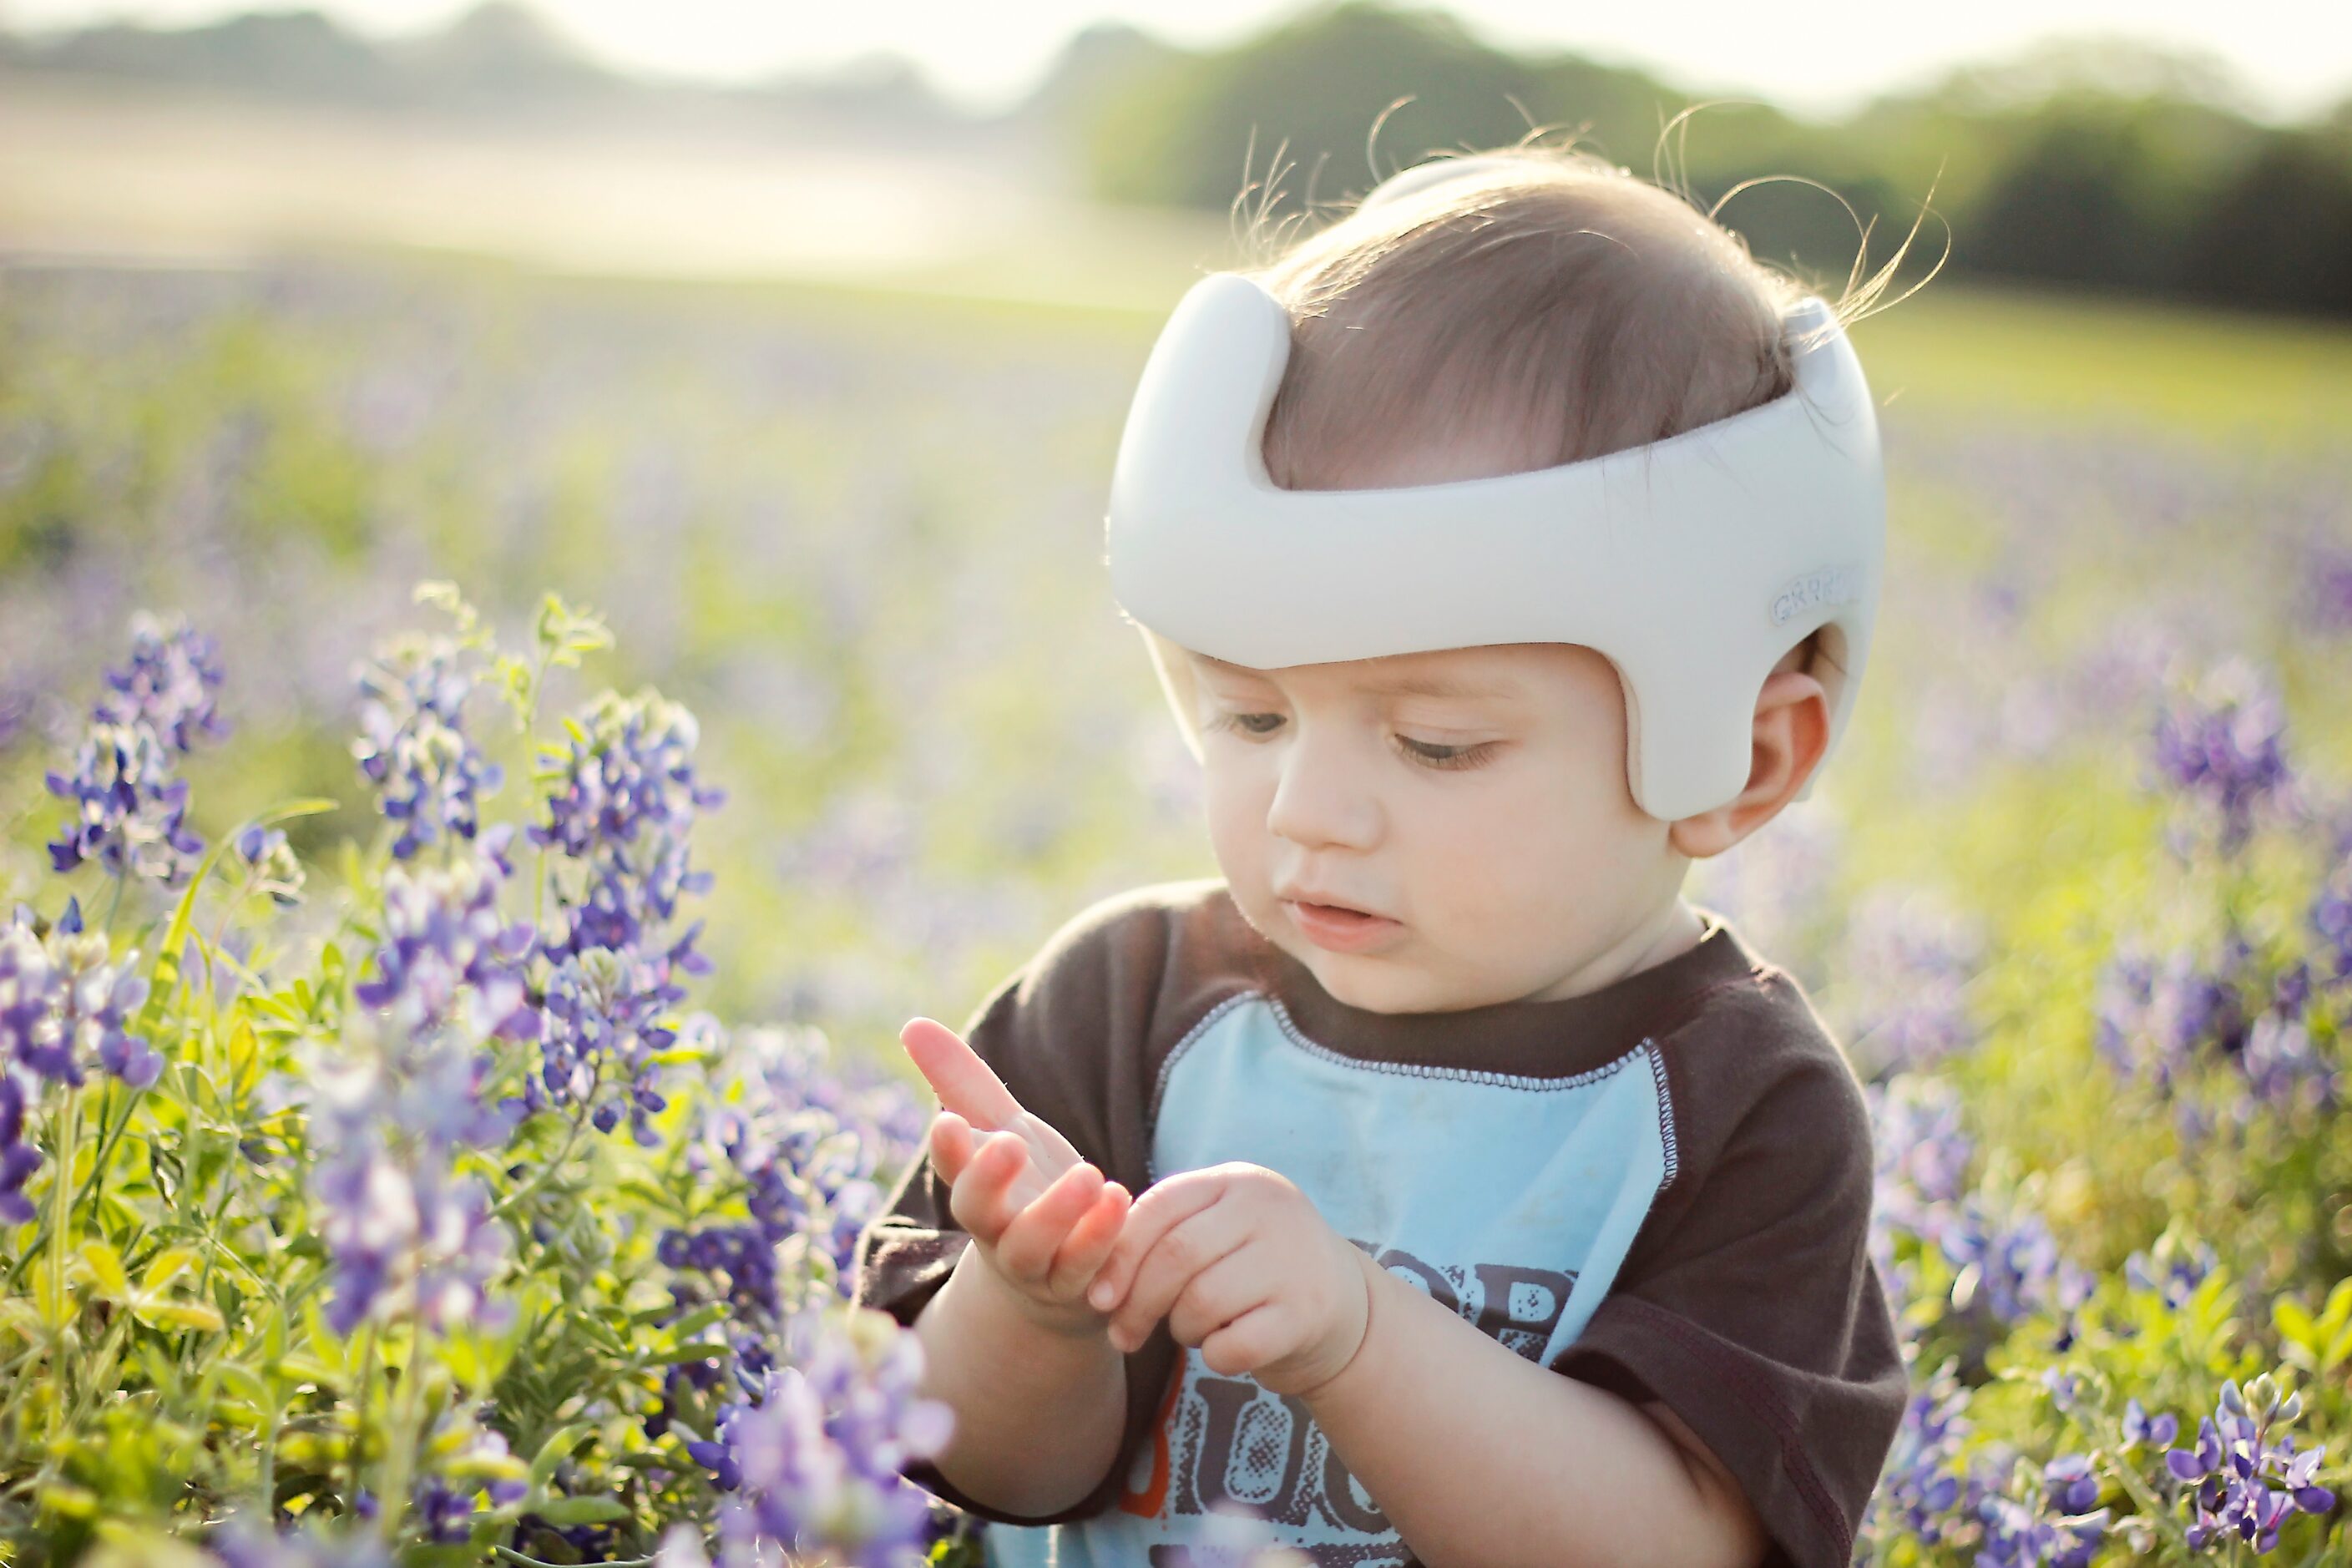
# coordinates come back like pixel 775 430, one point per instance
pixel 2301 66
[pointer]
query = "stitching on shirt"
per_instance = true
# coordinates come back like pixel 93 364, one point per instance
pixel 1467 1075
pixel 1192 1038
pixel 1760 1399
pixel 1299 1038
pixel 1666 1117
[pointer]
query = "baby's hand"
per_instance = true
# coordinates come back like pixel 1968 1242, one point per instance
pixel 1243 1266
pixel 1042 1218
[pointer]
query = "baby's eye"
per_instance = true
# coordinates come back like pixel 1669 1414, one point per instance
pixel 1438 756
pixel 1247 723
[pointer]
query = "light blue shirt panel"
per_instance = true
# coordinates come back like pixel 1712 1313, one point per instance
pixel 1448 1168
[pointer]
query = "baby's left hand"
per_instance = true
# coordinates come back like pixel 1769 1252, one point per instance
pixel 1241 1264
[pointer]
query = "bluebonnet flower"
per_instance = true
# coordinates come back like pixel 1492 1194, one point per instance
pixel 2053 1525
pixel 2282 1067
pixel 168 686
pixel 604 1022
pixel 448 960
pixel 2156 1019
pixel 130 810
pixel 2331 918
pixel 402 1230
pixel 812 1145
pixel 2173 1271
pixel 2009 1261
pixel 412 744
pixel 2249 1477
pixel 2223 743
pixel 814 1465
pixel 1926 1489
pixel 241 1544
pixel 624 804
pixel 1902 992
pixel 16 708
pixel 1921 1155
pixel 401 1226
pixel 18 1159
pixel 2328 575
pixel 2142 1430
pixel 462 1460
pixel 64 1006
pixel 271 865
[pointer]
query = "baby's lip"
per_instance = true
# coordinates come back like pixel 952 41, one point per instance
pixel 1309 896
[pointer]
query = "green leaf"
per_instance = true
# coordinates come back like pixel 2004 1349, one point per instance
pixel 701 1318
pixel 667 1354
pixel 107 1274
pixel 581 1511
pixel 178 1313
pixel 167 1265
pixel 166 977
pixel 556 1450
pixel 249 1384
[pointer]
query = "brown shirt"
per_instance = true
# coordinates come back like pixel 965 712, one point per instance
pixel 1662 1187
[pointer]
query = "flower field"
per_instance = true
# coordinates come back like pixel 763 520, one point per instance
pixel 486 763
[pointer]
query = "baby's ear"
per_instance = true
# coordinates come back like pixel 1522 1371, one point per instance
pixel 1791 735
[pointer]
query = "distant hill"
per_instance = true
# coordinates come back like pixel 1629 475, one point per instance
pixel 499 58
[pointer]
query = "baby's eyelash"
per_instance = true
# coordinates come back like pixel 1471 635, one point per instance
pixel 1449 759
pixel 1231 720
pixel 1456 758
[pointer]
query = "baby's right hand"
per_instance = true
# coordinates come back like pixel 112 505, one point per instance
pixel 1042 1218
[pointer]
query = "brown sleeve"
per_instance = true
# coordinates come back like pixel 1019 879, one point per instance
pixel 1750 1307
pixel 1067 1032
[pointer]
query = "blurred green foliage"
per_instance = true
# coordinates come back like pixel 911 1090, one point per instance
pixel 2110 168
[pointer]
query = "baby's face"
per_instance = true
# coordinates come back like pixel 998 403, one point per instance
pixel 1471 803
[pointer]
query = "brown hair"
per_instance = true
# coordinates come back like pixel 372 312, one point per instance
pixel 1541 297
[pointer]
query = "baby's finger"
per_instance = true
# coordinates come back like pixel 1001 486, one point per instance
pixel 1090 1242
pixel 1156 1213
pixel 1025 1251
pixel 965 1084
pixel 981 1200
pixel 1184 1252
pixel 953 1142
pixel 1217 1295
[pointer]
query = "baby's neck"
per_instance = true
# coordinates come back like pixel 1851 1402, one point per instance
pixel 1675 928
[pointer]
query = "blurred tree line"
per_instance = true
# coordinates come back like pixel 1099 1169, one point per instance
pixel 2105 165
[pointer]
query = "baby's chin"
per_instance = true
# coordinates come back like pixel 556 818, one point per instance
pixel 1398 981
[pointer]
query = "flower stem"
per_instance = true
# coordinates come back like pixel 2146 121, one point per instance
pixel 62 1204
pixel 400 1451
pixel 122 875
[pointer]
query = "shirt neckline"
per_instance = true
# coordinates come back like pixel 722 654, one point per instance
pixel 1530 1039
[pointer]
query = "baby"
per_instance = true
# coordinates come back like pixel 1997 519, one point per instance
pixel 1492 1205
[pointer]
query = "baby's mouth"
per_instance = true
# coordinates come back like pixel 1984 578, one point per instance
pixel 1336 925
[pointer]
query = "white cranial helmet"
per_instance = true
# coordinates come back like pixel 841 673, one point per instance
pixel 1692 563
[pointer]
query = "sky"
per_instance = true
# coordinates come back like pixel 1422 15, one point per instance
pixel 2294 55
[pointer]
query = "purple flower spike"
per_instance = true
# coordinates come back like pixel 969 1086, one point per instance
pixel 621 810
pixel 2248 1476
pixel 818 1456
pixel 64 1006
pixel 2223 744
pixel 412 744
pixel 130 813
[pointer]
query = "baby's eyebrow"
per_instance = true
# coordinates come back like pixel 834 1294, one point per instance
pixel 1440 686
pixel 1444 687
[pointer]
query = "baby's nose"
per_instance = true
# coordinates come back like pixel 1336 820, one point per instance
pixel 1325 796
